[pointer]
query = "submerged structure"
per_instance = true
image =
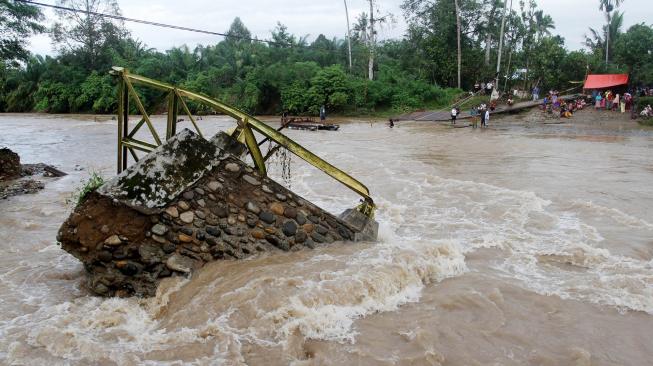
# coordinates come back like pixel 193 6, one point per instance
pixel 190 201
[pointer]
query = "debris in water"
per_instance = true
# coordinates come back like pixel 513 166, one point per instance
pixel 12 173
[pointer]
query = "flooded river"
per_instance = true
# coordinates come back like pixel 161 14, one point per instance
pixel 522 244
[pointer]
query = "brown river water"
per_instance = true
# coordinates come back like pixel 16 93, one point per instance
pixel 523 244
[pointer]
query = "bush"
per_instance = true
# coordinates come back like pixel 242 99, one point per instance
pixel 80 194
pixel 643 102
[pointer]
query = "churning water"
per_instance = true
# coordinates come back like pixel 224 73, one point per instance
pixel 522 244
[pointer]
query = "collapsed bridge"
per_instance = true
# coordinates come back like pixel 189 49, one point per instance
pixel 190 201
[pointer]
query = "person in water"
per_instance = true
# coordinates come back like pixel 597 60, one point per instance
pixel 391 123
pixel 487 118
pixel 474 113
pixel 454 115
pixel 482 112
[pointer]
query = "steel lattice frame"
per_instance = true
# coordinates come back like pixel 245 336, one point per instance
pixel 246 124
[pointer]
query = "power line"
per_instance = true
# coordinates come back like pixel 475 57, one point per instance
pixel 163 25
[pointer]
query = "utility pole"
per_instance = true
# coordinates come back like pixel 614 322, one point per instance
pixel 348 35
pixel 501 37
pixel 372 41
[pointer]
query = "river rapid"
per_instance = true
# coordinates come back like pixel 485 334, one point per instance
pixel 522 244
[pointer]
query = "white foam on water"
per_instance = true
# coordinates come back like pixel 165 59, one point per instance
pixel 379 279
pixel 551 252
pixel 613 213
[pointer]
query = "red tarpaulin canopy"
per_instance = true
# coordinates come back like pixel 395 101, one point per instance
pixel 605 81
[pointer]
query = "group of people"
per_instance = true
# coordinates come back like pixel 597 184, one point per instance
pixel 484 88
pixel 481 111
pixel 554 104
pixel 644 92
pixel 568 108
pixel 610 101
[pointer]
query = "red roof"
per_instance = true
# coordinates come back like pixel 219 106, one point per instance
pixel 605 81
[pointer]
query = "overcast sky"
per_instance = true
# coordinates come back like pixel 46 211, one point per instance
pixel 312 17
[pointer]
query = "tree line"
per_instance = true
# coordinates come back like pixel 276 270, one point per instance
pixel 291 74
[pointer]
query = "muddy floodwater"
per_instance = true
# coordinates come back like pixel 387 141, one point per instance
pixel 523 244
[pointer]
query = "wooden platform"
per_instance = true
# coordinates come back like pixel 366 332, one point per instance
pixel 307 123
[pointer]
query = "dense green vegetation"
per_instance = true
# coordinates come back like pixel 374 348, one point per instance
pixel 292 74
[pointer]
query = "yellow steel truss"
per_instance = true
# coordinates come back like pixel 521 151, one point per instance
pixel 243 132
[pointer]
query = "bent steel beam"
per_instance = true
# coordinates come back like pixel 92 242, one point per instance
pixel 246 124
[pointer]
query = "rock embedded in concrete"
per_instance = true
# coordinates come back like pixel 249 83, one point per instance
pixel 113 240
pixel 290 212
pixel 289 228
pixel 187 217
pixel 267 217
pixel 159 229
pixel 232 167
pixel 253 208
pixel 129 238
pixel 214 186
pixel 276 208
pixel 251 180
pixel 172 211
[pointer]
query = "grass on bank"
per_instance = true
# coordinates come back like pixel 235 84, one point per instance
pixel 87 186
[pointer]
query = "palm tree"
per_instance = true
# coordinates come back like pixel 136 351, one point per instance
pixel 608 6
pixel 458 32
pixel 543 24
pixel 596 40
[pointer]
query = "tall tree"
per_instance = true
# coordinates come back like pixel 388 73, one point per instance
pixel 348 35
pixel 608 6
pixel 372 40
pixel 501 38
pixel 489 28
pixel 88 35
pixel 17 22
pixel 375 18
pixel 460 53
pixel 528 18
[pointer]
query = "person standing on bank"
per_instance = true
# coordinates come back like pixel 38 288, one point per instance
pixel 322 113
pixel 536 94
pixel 454 115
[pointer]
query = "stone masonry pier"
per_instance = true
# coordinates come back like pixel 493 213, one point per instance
pixel 188 203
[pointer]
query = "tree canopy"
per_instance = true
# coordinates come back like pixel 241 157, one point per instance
pixel 294 75
pixel 17 22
